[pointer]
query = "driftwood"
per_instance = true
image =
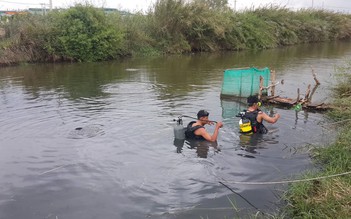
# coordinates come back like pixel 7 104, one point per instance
pixel 305 102
pixel 315 77
pixel 308 91
pixel 280 100
pixel 272 86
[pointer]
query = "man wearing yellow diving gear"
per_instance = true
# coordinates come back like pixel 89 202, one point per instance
pixel 256 116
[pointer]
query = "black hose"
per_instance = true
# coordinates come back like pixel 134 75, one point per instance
pixel 180 117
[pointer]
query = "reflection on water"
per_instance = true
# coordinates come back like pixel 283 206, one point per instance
pixel 252 143
pixel 232 107
pixel 202 147
pixel 94 140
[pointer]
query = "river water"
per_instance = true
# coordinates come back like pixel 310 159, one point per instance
pixel 95 140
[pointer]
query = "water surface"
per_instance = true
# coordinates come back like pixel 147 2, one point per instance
pixel 96 140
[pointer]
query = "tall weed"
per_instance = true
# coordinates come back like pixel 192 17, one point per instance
pixel 85 33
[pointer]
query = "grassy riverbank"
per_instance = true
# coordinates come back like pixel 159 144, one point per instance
pixel 84 33
pixel 331 197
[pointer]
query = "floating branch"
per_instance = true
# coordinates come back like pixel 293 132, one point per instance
pixel 273 85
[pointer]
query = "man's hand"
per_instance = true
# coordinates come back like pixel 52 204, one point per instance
pixel 210 123
pixel 219 125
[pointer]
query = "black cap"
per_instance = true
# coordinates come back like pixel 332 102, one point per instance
pixel 252 99
pixel 202 113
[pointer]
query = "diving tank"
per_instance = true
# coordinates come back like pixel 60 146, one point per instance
pixel 245 125
pixel 179 130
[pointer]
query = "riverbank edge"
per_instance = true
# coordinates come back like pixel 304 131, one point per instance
pixel 87 34
pixel 18 62
pixel 328 197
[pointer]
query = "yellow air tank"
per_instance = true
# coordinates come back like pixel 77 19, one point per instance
pixel 245 125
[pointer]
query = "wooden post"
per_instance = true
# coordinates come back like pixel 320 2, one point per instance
pixel 298 96
pixel 273 83
pixel 261 87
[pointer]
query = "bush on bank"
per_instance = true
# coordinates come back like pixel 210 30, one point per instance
pixel 82 33
pixel 85 33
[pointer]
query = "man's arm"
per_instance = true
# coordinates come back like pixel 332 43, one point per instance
pixel 267 118
pixel 206 135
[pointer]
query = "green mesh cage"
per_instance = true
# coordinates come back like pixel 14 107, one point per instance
pixel 244 82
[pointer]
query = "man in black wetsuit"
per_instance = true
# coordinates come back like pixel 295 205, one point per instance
pixel 256 116
pixel 196 129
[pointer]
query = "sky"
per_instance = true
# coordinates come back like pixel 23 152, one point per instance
pixel 143 5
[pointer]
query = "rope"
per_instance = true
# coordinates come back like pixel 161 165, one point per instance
pixel 54 169
pixel 239 195
pixel 335 123
pixel 287 181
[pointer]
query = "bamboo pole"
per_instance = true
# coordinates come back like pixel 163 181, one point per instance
pixel 261 87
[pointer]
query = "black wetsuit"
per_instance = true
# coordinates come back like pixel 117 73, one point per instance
pixel 190 129
pixel 257 127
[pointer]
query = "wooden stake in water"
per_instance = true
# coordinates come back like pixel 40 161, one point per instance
pixel 298 95
pixel 261 87
pixel 273 83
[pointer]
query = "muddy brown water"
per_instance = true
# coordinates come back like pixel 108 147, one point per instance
pixel 96 140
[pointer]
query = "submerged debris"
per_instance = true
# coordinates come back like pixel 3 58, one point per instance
pixel 88 131
pixel 297 103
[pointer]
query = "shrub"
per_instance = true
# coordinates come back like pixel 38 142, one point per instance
pixel 85 34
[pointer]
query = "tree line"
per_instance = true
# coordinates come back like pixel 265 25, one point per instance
pixel 87 34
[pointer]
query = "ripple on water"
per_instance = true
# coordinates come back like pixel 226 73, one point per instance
pixel 88 131
pixel 125 163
